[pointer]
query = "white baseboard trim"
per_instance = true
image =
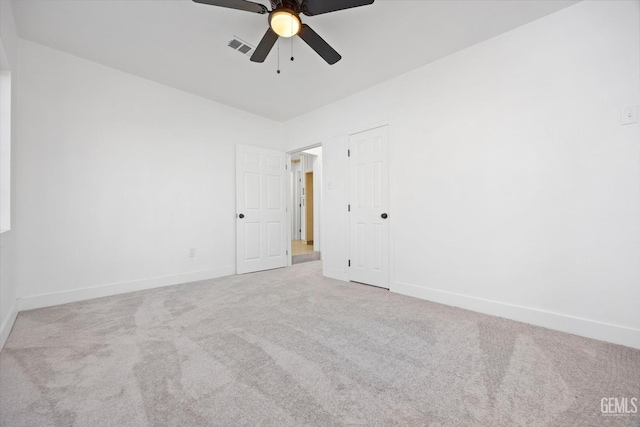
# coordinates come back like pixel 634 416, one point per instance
pixel 64 297
pixel 7 323
pixel 615 334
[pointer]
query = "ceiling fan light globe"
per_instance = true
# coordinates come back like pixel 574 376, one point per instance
pixel 285 23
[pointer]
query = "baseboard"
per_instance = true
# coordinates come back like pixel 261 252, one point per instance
pixel 615 334
pixel 64 297
pixel 7 324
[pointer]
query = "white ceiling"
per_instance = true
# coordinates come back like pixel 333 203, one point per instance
pixel 184 44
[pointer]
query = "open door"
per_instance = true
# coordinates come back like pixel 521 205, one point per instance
pixel 261 237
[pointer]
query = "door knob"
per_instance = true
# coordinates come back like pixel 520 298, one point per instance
pixel 384 216
pixel 241 216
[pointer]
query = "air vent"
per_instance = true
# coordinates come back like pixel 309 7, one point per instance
pixel 241 46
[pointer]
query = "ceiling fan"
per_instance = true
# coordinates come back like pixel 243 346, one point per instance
pixel 284 21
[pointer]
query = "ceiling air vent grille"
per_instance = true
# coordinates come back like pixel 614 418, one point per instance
pixel 241 46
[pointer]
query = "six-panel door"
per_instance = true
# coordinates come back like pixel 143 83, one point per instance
pixel 369 201
pixel 261 209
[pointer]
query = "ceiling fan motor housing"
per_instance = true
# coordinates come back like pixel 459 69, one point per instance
pixel 286 4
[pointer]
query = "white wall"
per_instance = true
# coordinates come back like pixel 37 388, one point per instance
pixel 8 61
pixel 5 144
pixel 118 177
pixel 514 189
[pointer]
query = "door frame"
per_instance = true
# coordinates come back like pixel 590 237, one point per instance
pixel 290 195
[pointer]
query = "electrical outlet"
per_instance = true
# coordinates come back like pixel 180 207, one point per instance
pixel 629 115
pixel 192 252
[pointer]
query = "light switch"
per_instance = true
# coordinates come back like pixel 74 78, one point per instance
pixel 629 115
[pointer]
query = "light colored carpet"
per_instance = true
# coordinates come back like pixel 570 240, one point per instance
pixel 291 348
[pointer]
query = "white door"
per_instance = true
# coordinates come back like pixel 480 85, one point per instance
pixel 261 238
pixel 369 207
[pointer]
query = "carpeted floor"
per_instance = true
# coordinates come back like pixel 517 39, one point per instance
pixel 290 348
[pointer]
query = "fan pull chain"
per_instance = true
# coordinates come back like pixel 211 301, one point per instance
pixel 292 39
pixel 278 55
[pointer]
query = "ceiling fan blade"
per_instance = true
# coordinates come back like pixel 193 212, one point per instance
pixel 264 47
pixel 318 44
pixel 317 7
pixel 237 4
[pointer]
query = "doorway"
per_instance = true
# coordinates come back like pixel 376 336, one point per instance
pixel 305 204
